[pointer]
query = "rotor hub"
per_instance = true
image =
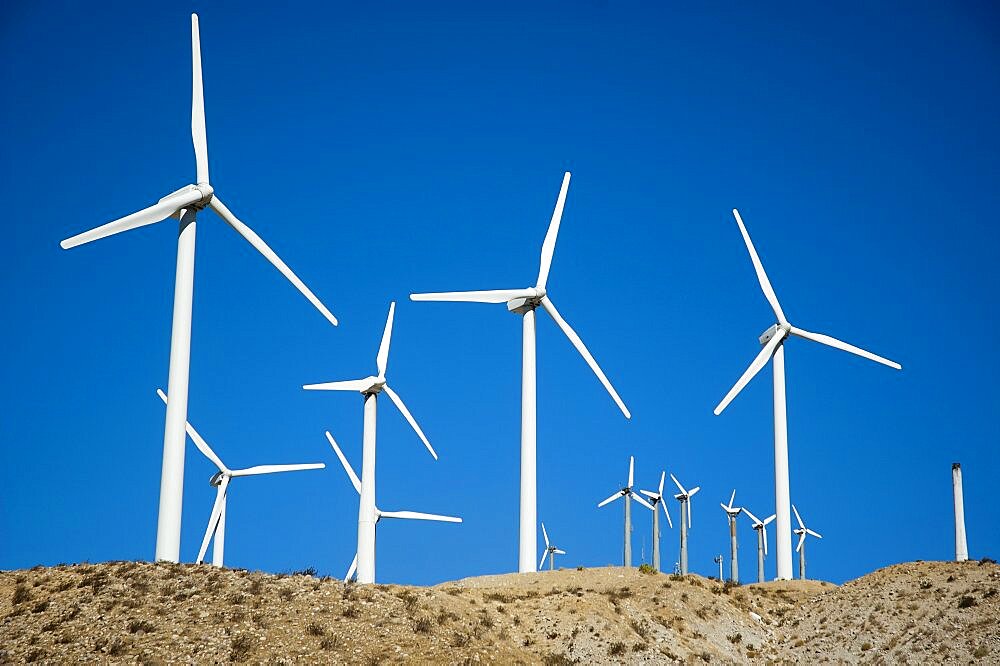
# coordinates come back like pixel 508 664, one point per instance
pixel 216 479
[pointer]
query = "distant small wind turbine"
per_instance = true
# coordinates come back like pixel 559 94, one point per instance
pixel 718 560
pixel 379 514
pixel 220 480
pixel 802 531
pixel 656 499
pixel 774 349
pixel 550 551
pixel 628 494
pixel 731 513
pixel 524 302
pixel 370 388
pixel 760 526
pixel 684 497
pixel 184 205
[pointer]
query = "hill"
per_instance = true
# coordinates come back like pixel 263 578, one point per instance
pixel 128 612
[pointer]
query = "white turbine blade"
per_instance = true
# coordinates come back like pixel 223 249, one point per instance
pixel 213 519
pixel 815 534
pixel 631 469
pixel 640 500
pixel 765 284
pixel 580 347
pixel 541 562
pixel 269 254
pixel 731 498
pixel 158 212
pixel 663 477
pixel 667 514
pixel 839 344
pixel 545 535
pixel 798 517
pixel 383 349
pixel 611 499
pixel 758 363
pixel 689 510
pixel 678 484
pixel 202 445
pixel 198 135
pixel 559 552
pixel 416 515
pixel 693 491
pixel 764 530
pixel 409 417
pixel 649 493
pixel 549 244
pixel 755 519
pixel 355 481
pixel 351 569
pixel 724 507
pixel 770 518
pixel 802 539
pixel 274 469
pixel 347 385
pixel 490 296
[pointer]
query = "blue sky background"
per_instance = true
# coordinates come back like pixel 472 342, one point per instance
pixel 389 149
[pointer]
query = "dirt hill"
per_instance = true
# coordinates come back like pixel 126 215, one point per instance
pixel 129 612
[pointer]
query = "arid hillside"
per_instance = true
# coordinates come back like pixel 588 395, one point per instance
pixel 129 612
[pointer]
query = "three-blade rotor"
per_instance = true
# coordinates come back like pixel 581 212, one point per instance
pixel 627 491
pixel 549 548
pixel 684 496
pixel 729 508
pixel 759 524
pixel 802 530
pixel 657 498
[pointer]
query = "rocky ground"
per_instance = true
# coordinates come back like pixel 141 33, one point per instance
pixel 129 612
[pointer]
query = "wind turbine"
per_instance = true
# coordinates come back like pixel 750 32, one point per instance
pixel 217 519
pixel 654 500
pixel 370 387
pixel 760 526
pixel 524 302
pixel 684 497
pixel 550 551
pixel 731 513
pixel 718 560
pixel 184 205
pixel 379 514
pixel 802 531
pixel 774 349
pixel 628 494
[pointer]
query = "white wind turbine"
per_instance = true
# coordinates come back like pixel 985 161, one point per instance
pixel 802 531
pixel 628 494
pixel 731 513
pixel 774 349
pixel 184 205
pixel 379 514
pixel 656 499
pixel 370 387
pixel 524 302
pixel 217 519
pixel 760 526
pixel 684 497
pixel 549 552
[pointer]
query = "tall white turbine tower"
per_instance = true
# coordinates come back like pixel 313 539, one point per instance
pixel 656 499
pixel 370 387
pixel 731 513
pixel 961 546
pixel 774 349
pixel 628 494
pixel 550 551
pixel 184 205
pixel 802 531
pixel 216 530
pixel 684 497
pixel 524 302
pixel 379 514
pixel 760 526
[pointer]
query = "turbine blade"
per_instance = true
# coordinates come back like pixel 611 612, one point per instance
pixel 580 347
pixel 415 515
pixel 640 500
pixel 731 498
pixel 409 417
pixel 758 363
pixel 764 530
pixel 347 385
pixel 351 569
pixel 689 510
pixel 382 360
pixel 158 212
pixel 663 476
pixel 199 442
pixel 545 535
pixel 693 491
pixel 559 552
pixel 274 469
pixel 839 344
pixel 667 514
pixel 355 481
pixel 802 539
pixel 198 134
pixel 755 519
pixel 491 296
pixel 541 562
pixel 815 534
pixel 611 499
pixel 631 469
pixel 798 517
pixel 649 493
pixel 678 484
pixel 549 244
pixel 765 284
pixel 251 237
pixel 724 507
pixel 770 518
pixel 213 519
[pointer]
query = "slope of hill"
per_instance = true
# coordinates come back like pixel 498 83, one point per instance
pixel 157 613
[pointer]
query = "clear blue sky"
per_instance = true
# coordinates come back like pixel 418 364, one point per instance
pixel 390 149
